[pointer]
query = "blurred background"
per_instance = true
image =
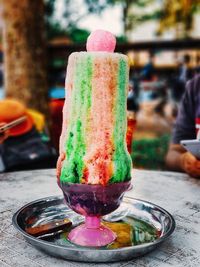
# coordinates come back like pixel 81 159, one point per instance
pixel 160 37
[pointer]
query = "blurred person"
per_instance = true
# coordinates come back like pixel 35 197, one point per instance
pixel 151 118
pixel 135 84
pixel 21 146
pixel 132 103
pixel 197 68
pixel 170 111
pixel 183 75
pixel 184 71
pixel 148 71
pixel 186 128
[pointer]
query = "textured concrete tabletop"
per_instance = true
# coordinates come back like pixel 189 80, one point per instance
pixel 176 192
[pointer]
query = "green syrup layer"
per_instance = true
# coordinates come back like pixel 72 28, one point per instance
pixel 72 170
pixel 121 158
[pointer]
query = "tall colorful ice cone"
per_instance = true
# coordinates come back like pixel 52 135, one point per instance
pixel 94 115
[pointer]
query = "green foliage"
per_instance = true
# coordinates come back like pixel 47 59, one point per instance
pixel 121 39
pixel 150 153
pixel 178 15
pixel 71 17
pixel 134 12
pixel 49 8
pixel 53 28
pixel 78 35
pixel 96 6
pixel 134 19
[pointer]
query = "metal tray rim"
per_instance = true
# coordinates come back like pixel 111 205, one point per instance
pixel 141 246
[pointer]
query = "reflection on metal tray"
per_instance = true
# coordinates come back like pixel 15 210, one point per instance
pixel 140 227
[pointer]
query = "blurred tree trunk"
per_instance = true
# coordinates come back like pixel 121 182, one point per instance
pixel 125 9
pixel 24 50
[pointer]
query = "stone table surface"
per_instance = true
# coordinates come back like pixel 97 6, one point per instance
pixel 176 192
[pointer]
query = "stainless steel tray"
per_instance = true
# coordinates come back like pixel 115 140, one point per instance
pixel 151 225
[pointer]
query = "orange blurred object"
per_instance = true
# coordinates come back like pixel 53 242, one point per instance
pixel 131 126
pixel 11 110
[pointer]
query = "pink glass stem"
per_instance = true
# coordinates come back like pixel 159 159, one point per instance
pixel 92 222
pixel 92 233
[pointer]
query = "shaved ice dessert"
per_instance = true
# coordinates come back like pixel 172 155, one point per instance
pixel 93 139
pixel 94 166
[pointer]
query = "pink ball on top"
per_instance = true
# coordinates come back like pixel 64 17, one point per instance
pixel 101 40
